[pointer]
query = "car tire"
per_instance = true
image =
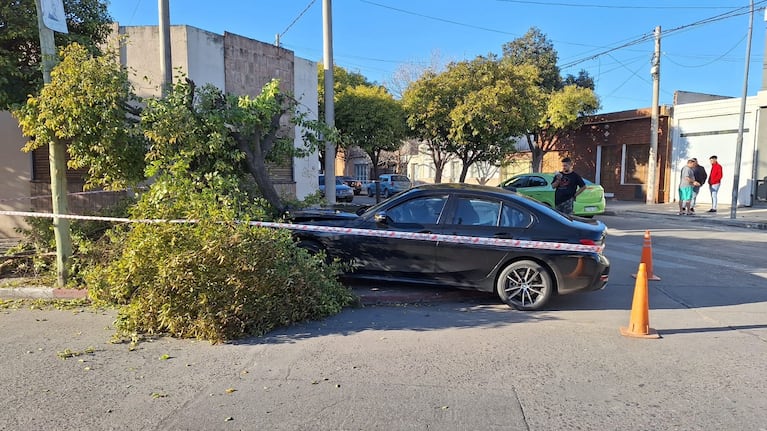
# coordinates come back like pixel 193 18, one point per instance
pixel 370 192
pixel 386 193
pixel 525 285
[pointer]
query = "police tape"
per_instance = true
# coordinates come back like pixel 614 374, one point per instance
pixel 416 236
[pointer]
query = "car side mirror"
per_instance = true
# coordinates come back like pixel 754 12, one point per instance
pixel 380 217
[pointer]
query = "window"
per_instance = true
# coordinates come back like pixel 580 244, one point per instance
pixel 515 217
pixel 425 210
pixel 537 182
pixel 476 212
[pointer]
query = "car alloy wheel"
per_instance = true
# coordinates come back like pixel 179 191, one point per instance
pixel 525 285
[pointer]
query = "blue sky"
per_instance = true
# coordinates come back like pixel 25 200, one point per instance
pixel 703 48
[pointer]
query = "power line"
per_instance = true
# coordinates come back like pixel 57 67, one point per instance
pixel 647 36
pixel 298 17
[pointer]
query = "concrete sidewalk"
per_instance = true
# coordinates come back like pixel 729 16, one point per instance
pixel 753 217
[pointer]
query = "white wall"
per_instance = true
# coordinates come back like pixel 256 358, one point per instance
pixel 704 129
pixel 306 169
pixel 205 57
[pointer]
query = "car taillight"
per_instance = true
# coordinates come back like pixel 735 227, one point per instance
pixel 588 242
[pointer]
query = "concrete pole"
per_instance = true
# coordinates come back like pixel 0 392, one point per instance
pixel 330 113
pixel 652 161
pixel 57 153
pixel 166 63
pixel 739 145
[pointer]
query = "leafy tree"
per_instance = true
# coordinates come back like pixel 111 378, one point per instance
pixel 371 119
pixel 87 106
pixel 534 48
pixel 223 141
pixel 563 101
pixel 87 22
pixel 491 104
pixel 427 105
pixel 342 80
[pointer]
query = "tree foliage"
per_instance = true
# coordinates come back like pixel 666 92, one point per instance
pixel 472 110
pixel 564 102
pixel 495 102
pixel 370 118
pixel 223 141
pixel 87 106
pixel 20 73
pixel 427 105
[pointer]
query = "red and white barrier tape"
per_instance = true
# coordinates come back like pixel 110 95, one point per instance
pixel 456 239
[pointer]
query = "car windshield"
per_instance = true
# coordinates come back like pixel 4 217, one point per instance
pixel 399 178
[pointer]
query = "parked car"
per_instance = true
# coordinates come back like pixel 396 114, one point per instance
pixel 389 184
pixel 537 185
pixel 465 236
pixel 343 192
pixel 354 183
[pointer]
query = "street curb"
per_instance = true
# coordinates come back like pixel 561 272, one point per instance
pixel 42 293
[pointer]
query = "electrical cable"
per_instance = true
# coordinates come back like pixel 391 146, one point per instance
pixel 298 17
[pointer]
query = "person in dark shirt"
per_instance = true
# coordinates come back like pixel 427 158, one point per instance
pixel 699 172
pixel 567 186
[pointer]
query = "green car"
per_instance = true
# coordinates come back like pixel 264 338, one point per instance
pixel 538 186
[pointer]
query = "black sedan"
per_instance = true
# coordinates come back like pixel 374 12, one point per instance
pixel 473 237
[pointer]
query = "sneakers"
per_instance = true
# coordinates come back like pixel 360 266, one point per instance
pixel 712 210
pixel 692 210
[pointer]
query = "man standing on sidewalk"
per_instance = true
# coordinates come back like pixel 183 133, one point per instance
pixel 714 181
pixel 700 179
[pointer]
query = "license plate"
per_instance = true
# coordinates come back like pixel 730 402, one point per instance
pixel 590 209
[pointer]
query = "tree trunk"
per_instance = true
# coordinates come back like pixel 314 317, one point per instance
pixel 258 170
pixel 537 152
pixel 464 171
pixel 438 168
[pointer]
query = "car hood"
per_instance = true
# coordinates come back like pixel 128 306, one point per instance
pixel 314 215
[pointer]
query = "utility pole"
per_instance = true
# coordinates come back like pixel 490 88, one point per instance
pixel 166 63
pixel 57 153
pixel 739 145
pixel 330 114
pixel 653 158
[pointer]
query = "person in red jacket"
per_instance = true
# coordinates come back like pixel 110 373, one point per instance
pixel 714 181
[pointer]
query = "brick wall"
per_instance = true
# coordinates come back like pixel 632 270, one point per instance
pixel 611 132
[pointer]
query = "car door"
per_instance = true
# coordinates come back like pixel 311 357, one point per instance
pixel 539 188
pixel 463 262
pixel 394 253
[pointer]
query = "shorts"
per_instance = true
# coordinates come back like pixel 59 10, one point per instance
pixel 685 193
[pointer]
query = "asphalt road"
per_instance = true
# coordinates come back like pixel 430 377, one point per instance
pixel 469 365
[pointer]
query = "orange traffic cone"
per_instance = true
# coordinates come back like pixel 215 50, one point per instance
pixel 639 323
pixel 647 257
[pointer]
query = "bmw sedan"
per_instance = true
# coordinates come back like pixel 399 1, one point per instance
pixel 464 236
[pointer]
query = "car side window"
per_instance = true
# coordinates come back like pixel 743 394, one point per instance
pixel 424 210
pixel 538 182
pixel 514 217
pixel 476 212
pixel 519 183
